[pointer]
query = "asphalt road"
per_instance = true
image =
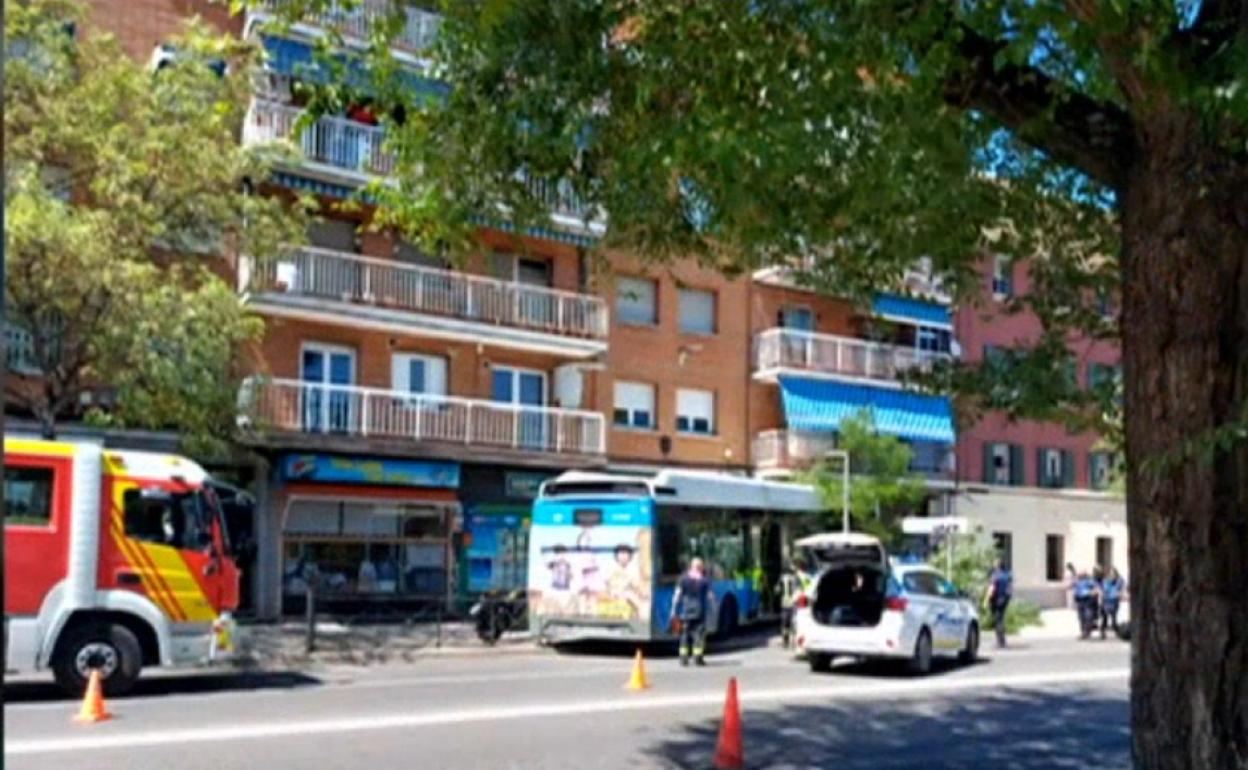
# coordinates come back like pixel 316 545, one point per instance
pixel 1046 704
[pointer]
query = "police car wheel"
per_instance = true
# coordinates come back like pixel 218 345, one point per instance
pixel 921 663
pixel 819 662
pixel 111 648
pixel 970 653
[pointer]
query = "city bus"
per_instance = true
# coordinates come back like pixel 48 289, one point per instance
pixel 606 551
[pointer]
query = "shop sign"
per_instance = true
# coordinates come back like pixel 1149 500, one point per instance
pixel 523 485
pixel 365 470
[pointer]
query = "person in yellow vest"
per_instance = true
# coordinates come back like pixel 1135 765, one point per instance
pixel 795 581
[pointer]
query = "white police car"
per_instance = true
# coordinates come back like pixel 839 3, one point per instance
pixel 864 605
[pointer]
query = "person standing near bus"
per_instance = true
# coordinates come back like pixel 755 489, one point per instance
pixel 692 605
pixel 793 583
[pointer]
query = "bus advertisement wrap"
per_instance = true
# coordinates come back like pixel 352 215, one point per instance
pixel 593 568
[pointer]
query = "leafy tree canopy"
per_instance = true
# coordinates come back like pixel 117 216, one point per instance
pixel 125 192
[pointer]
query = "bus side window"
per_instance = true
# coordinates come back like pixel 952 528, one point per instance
pixel 669 550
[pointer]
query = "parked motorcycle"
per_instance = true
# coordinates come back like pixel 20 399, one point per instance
pixel 496 613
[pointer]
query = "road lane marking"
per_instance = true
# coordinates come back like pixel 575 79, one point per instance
pixel 875 690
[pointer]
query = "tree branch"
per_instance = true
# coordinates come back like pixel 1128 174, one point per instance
pixel 1093 136
pixel 1217 23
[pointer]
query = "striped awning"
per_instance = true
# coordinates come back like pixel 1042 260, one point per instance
pixel 299 60
pixel 913 311
pixel 821 405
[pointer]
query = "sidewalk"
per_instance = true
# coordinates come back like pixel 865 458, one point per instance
pixel 1062 623
pixel 284 645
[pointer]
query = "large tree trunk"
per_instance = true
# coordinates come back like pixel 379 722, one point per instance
pixel 1185 350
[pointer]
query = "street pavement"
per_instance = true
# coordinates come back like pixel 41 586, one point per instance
pixel 1043 703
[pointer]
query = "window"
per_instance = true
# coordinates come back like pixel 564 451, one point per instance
pixel 697 311
pixel 799 318
pixel 1003 464
pixel 1054 558
pixel 532 272
pixel 413 373
pixel 933 340
pixel 1055 468
pixel 336 234
pixel 1002 278
pixel 695 411
pixel 635 301
pixel 634 405
pixel 158 516
pixel 19 350
pixel 1003 544
pixel 28 496
pixel 1104 552
pixel 1100 469
pixel 923 583
pixel 1101 373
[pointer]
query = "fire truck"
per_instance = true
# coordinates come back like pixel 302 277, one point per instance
pixel 114 560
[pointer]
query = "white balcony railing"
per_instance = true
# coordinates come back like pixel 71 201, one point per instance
pixel 793 450
pixel 295 406
pixel 354 278
pixel 844 356
pixel 420 27
pixel 332 141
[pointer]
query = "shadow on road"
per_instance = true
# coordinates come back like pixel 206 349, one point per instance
pixel 755 638
pixel 1077 729
pixel 189 684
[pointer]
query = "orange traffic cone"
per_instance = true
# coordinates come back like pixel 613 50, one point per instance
pixel 729 753
pixel 93 709
pixel 638 680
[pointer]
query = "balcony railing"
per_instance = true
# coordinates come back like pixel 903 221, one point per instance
pixel 332 141
pixel 295 406
pixel 353 278
pixel 793 450
pixel 843 356
pixel 420 27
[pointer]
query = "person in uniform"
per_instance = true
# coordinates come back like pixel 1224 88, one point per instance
pixel 692 606
pixel 1112 588
pixel 1000 589
pixel 1085 590
pixel 793 583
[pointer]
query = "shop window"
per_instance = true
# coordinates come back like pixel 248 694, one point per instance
pixel 1054 558
pixel 636 301
pixel 697 311
pixel 28 496
pixel 695 411
pixel 634 405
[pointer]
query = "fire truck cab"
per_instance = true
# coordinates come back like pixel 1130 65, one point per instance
pixel 115 560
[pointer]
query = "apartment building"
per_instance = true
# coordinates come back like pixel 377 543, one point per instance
pixel 1036 488
pixel 405 409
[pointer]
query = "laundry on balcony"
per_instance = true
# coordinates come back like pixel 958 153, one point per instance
pixel 912 311
pixel 821 405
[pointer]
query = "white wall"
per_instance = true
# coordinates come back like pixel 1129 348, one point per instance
pixel 1030 515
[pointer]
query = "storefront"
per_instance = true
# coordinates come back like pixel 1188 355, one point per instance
pixel 373 535
pixel 497 503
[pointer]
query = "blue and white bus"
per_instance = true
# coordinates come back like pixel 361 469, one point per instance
pixel 606 551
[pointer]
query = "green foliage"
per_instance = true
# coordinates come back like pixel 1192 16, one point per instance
pixel 125 199
pixel 881 487
pixel 972 562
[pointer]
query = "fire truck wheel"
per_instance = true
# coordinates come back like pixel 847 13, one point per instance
pixel 109 647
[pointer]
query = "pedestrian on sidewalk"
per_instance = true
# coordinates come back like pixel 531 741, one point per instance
pixel 1085 590
pixel 1000 589
pixel 1112 588
pixel 692 605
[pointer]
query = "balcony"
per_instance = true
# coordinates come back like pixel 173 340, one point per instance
pixel 335 146
pixel 416 37
pixel 286 412
pixel 779 351
pixel 329 285
pixel 782 452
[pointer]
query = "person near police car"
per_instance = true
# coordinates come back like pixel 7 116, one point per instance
pixel 691 606
pixel 1000 590
pixel 795 581
pixel 1086 593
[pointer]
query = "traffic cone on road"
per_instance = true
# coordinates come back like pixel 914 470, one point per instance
pixel 93 709
pixel 729 753
pixel 638 680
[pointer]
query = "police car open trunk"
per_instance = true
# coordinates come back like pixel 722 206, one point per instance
pixel 852 584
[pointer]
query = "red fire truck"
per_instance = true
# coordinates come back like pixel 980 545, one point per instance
pixel 115 560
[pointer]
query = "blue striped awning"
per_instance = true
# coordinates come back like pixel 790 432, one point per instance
pixel 910 310
pixel 821 405
pixel 319 187
pixel 291 57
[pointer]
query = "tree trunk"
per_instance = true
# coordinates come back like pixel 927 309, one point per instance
pixel 1185 354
